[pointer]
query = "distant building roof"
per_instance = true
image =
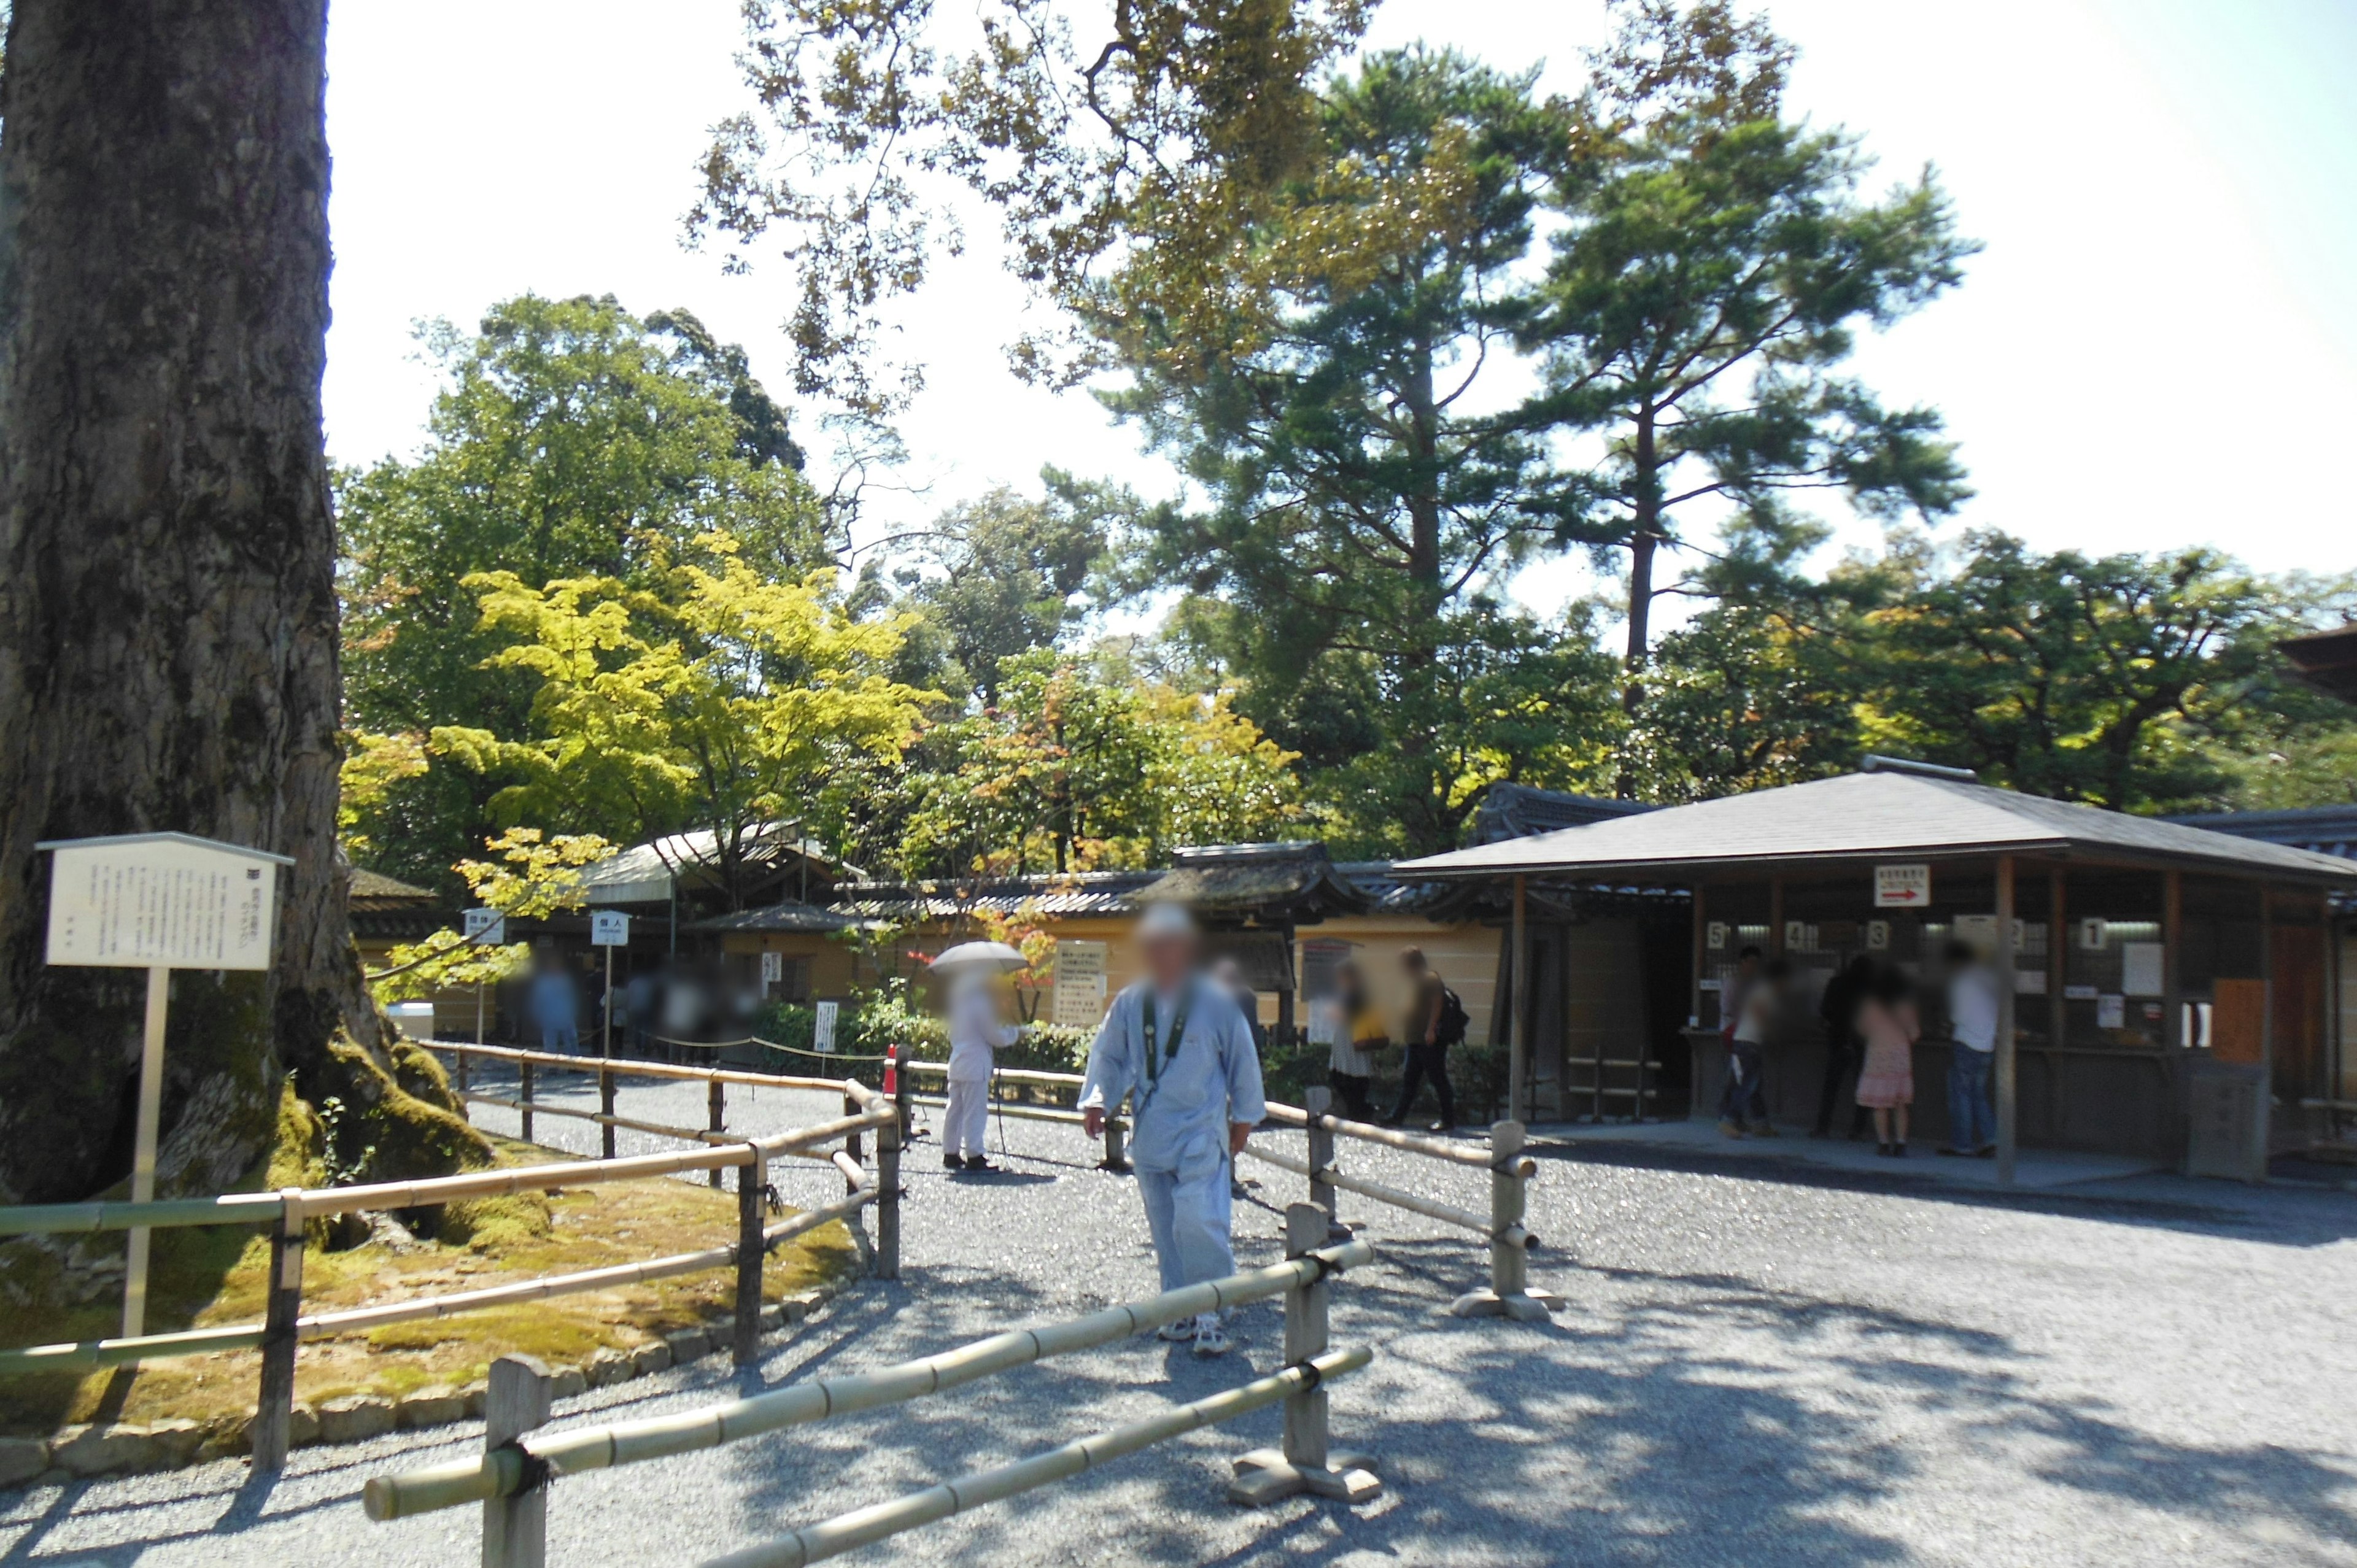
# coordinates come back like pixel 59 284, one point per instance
pixel 1061 895
pixel 2326 659
pixel 2324 830
pixel 643 874
pixel 374 888
pixel 787 916
pixel 1517 811
pixel 1872 816
pixel 1296 882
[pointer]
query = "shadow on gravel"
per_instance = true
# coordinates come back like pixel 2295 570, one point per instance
pixel 2276 1216
pixel 1693 1418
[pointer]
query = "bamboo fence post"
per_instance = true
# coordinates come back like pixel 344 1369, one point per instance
pixel 751 1253
pixel 1318 1101
pixel 851 1143
pixel 1303 1463
pixel 515 1529
pixel 274 1409
pixel 523 1093
pixel 716 1102
pixel 1509 1294
pixel 606 1105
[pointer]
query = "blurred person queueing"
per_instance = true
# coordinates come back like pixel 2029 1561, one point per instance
pixel 1844 1048
pixel 1229 976
pixel 1885 1084
pixel 1435 1022
pixel 1179 1046
pixel 555 1004
pixel 974 1033
pixel 1359 1034
pixel 1972 1024
pixel 1759 1003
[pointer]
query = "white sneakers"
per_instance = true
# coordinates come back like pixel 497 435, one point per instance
pixel 1203 1328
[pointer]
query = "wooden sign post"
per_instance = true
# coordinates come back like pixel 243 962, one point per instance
pixel 157 902
pixel 608 928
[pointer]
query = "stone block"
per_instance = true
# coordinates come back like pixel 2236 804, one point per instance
pixel 21 1459
pixel 302 1426
pixel 103 1450
pixel 434 1405
pixel 176 1440
pixel 608 1367
pixel 568 1382
pixel 475 1394
pixel 356 1418
pixel 687 1345
pixel 647 1359
pixel 773 1316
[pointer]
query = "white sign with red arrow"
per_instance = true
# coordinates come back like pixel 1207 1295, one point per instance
pixel 1902 886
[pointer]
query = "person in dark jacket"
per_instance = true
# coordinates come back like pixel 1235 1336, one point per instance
pixel 1844 1046
pixel 1429 1036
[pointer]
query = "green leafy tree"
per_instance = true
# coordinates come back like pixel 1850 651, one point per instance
pixel 728 703
pixel 1164 120
pixel 1367 481
pixel 534 877
pixel 571 440
pixel 1714 267
pixel 2108 680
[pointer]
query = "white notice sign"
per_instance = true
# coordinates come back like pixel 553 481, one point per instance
pixel 1905 886
pixel 2111 1011
pixel 2141 968
pixel 608 928
pixel 161 901
pixel 1080 984
pixel 822 1028
pixel 773 968
pixel 486 927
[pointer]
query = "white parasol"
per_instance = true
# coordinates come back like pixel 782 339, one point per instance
pixel 978 955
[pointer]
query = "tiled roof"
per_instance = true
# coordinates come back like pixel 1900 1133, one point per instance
pixel 376 888
pixel 785 916
pixel 1870 816
pixel 1069 896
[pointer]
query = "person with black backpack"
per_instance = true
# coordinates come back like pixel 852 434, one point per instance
pixel 1436 1021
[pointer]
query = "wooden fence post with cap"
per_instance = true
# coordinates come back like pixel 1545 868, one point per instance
pixel 523 1093
pixel 851 1141
pixel 716 1101
pixel 1318 1101
pixel 1509 1294
pixel 515 1530
pixel 274 1409
pixel 606 1104
pixel 887 1191
pixel 1304 1464
pixel 752 1177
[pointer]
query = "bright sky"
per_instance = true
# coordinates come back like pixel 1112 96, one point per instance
pixel 2157 347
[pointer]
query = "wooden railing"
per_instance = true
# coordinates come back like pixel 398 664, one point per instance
pixel 1510 1242
pixel 510 1477
pixel 286 1212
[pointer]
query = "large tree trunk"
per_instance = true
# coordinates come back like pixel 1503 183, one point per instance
pixel 167 609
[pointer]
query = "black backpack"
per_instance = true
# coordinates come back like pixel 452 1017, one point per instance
pixel 1454 1021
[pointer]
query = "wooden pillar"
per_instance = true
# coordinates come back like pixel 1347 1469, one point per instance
pixel 752 1253
pixel 515 1530
pixel 887 1199
pixel 1285 993
pixel 606 1105
pixel 274 1411
pixel 1693 989
pixel 1318 1100
pixel 2058 959
pixel 2172 936
pixel 1518 1049
pixel 2008 1077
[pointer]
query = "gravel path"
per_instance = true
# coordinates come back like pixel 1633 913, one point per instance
pixel 1751 1371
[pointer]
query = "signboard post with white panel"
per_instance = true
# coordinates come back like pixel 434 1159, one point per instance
pixel 157 902
pixel 485 928
pixel 1080 999
pixel 608 928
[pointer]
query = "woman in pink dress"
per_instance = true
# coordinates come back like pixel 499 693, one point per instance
pixel 1886 1083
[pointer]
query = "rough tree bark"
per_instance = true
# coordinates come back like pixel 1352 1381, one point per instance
pixel 167 609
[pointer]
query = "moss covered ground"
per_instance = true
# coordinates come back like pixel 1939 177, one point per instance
pixel 207 1277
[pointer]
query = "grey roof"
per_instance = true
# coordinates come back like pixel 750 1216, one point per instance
pixel 1295 880
pixel 1517 811
pixel 784 917
pixel 2327 830
pixel 376 887
pixel 1063 896
pixel 1874 816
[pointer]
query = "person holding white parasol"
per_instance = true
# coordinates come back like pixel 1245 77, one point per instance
pixel 970 971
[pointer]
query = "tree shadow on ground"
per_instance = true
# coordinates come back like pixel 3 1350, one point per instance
pixel 2276 1216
